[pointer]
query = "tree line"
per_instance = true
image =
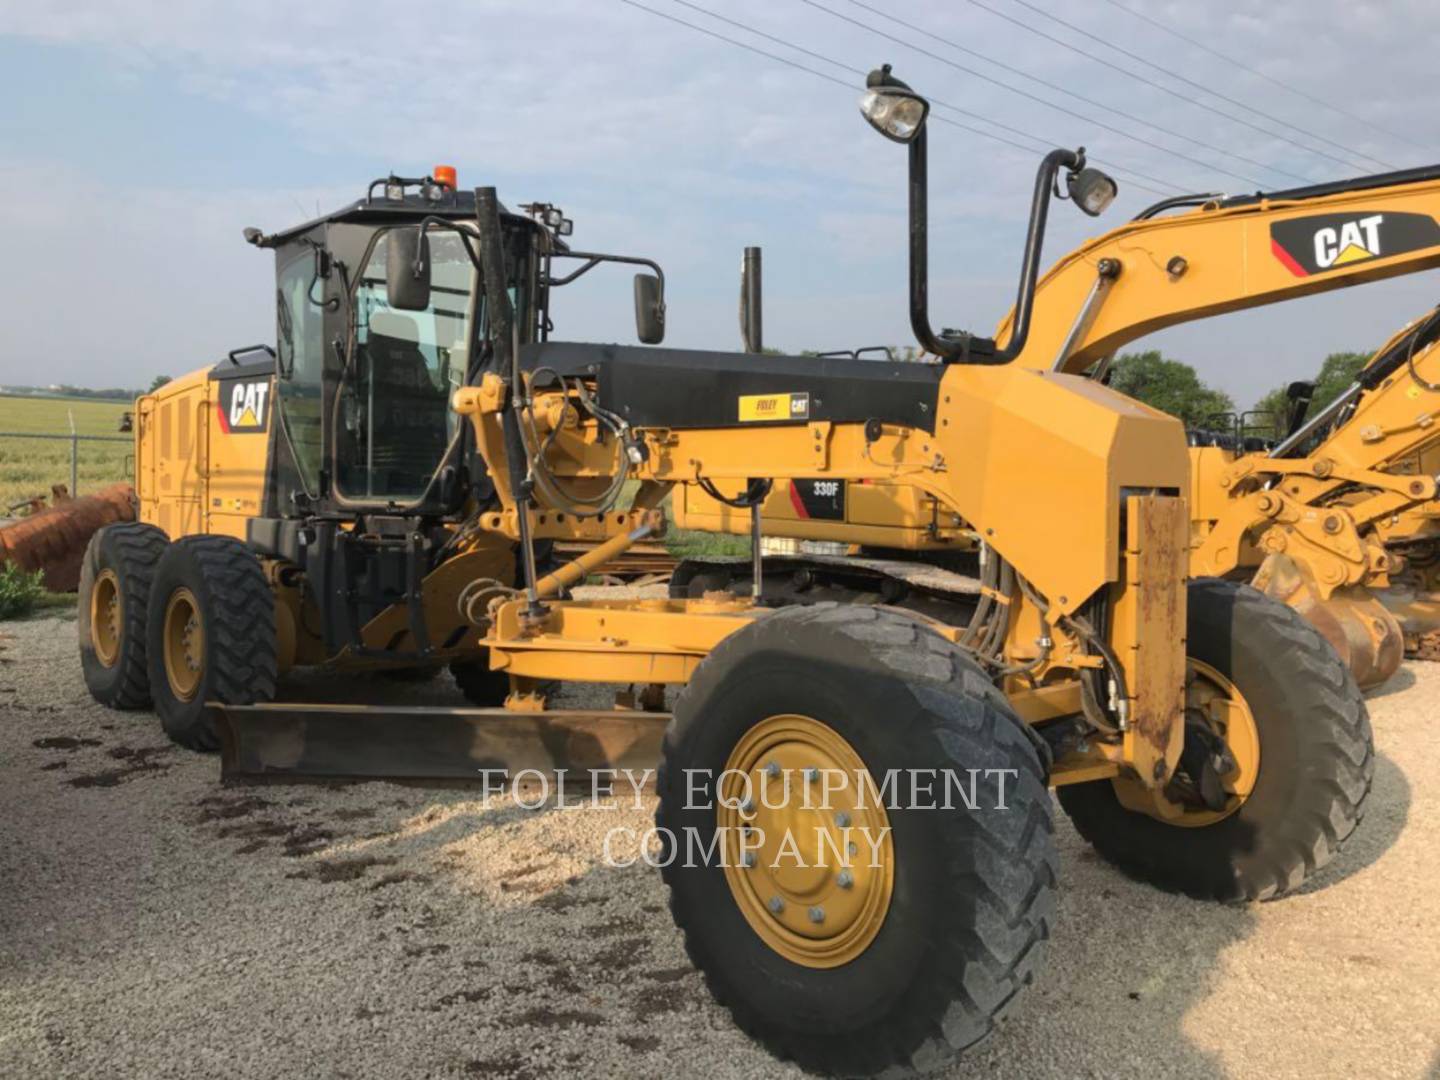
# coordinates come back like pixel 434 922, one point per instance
pixel 109 393
pixel 1172 386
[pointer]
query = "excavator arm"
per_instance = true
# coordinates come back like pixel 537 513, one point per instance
pixel 1229 255
pixel 1326 518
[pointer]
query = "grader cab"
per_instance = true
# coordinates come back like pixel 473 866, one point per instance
pixel 1200 735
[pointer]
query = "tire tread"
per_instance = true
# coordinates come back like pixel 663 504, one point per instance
pixel 239 623
pixel 138 547
pixel 1001 951
pixel 1342 766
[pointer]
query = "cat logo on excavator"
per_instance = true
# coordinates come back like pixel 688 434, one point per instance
pixel 1320 242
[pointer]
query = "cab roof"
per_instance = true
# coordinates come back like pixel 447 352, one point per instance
pixel 374 209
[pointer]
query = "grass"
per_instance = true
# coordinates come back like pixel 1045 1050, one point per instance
pixel 19 591
pixel 56 603
pixel 29 466
pixel 691 544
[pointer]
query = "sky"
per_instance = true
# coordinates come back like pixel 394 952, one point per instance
pixel 138 138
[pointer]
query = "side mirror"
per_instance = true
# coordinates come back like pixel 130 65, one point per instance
pixel 649 309
pixel 407 270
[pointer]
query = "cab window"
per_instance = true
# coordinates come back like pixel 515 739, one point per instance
pixel 300 352
pixel 395 418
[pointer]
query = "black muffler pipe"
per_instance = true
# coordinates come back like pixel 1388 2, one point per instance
pixel 751 301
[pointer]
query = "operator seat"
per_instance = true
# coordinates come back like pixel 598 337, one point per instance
pixel 411 407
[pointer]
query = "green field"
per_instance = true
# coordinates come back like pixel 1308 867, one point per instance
pixel 29 466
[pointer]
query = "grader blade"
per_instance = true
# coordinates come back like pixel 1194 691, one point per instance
pixel 287 742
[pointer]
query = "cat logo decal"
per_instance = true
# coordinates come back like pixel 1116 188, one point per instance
pixel 1323 242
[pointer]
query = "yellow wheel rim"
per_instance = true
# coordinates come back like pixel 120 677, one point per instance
pixel 106 618
pixel 808 855
pixel 1215 696
pixel 184 644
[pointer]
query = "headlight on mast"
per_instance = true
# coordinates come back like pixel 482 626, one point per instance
pixel 1092 190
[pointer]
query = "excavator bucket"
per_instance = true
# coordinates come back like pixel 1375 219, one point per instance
pixel 1364 634
pixel 287 742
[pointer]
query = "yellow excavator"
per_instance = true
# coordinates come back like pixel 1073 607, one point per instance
pixel 852 809
pixel 1336 519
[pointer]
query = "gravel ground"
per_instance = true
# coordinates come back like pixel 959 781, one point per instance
pixel 154 923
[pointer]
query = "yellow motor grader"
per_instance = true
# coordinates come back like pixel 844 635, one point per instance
pixel 1337 519
pixel 423 436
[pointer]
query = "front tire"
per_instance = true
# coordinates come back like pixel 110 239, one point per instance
pixel 115 582
pixel 861 977
pixel 482 687
pixel 211 635
pixel 1316 758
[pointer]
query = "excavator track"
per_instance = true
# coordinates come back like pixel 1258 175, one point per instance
pixel 926 588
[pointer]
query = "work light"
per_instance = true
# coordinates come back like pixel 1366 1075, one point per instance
pixel 896 112
pixel 1092 190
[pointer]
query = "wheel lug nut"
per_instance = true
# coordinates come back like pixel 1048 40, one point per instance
pixel 776 905
pixel 845 880
pixel 817 914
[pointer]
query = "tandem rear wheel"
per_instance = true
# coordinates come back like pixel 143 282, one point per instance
pixel 913 926
pixel 115 581
pixel 210 635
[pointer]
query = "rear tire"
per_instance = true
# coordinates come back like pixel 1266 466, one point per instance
pixel 972 899
pixel 1316 761
pixel 211 635
pixel 115 580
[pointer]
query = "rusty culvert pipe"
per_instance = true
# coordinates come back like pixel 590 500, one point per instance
pixel 54 540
